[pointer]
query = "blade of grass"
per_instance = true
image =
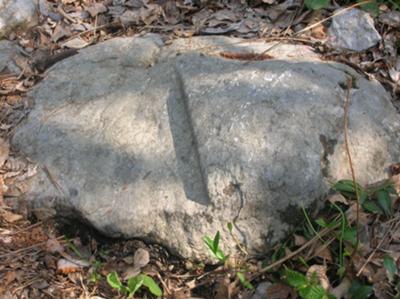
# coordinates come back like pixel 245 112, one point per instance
pixel 310 224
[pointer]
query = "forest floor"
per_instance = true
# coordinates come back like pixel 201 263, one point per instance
pixel 54 259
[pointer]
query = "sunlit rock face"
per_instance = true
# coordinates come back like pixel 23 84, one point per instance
pixel 169 143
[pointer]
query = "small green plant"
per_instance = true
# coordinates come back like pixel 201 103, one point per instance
pixel 345 233
pixel 234 237
pixel 360 291
pixel 371 6
pixel 316 4
pixel 391 268
pixel 306 288
pixel 94 271
pixel 242 278
pixel 213 245
pixel 134 284
pixel 376 200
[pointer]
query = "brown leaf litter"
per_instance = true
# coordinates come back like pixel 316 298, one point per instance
pixel 38 262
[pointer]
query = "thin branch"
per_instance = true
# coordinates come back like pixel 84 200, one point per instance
pixel 353 174
pixel 294 253
pixel 15 252
pixel 332 16
pixel 396 225
pixel 318 23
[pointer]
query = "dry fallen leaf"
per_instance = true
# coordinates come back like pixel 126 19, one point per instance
pixel 130 17
pixel 200 18
pixel 171 12
pixel 323 252
pixel 338 198
pixel 60 31
pixel 54 246
pixel 223 288
pixel 130 272
pixel 141 258
pixel 65 266
pixel 299 240
pixel 367 270
pixel 134 3
pixel 319 32
pixel 394 75
pixel 342 289
pixel 10 217
pixel 75 43
pixel 3 189
pixel 181 294
pixel 4 151
pixel 390 18
pixel 96 8
pixel 9 277
pixel 381 286
pixel 363 217
pixel 50 261
pixel 320 272
pixel 280 291
pixel 225 15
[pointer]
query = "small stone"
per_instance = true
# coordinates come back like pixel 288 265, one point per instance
pixel 261 290
pixel 56 17
pixel 353 30
pixel 17 13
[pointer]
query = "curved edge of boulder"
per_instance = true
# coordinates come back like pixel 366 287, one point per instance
pixel 152 141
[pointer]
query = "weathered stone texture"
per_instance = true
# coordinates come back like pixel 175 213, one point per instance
pixel 17 13
pixel 169 143
pixel 353 30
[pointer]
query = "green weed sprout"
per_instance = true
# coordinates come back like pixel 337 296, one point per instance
pixel 134 284
pixel 213 245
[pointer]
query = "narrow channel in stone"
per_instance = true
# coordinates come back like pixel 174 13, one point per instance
pixel 185 143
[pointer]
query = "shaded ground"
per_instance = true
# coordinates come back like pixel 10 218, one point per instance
pixel 44 259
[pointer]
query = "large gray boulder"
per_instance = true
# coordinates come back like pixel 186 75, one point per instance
pixel 17 13
pixel 169 143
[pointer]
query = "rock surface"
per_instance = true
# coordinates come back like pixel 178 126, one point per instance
pixel 8 52
pixel 169 143
pixel 17 13
pixel 353 30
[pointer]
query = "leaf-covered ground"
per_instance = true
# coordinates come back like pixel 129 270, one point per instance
pixel 324 257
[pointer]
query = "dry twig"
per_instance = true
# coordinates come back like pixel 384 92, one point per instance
pixel 349 85
pixel 294 253
pixel 318 23
pixel 393 227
